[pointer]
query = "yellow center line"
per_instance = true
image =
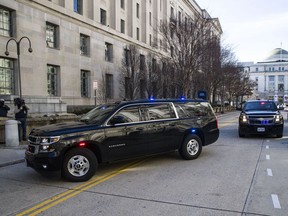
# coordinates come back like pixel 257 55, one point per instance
pixel 227 123
pixel 59 198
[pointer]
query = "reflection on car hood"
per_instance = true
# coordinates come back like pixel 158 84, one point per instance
pixel 62 128
pixel 261 112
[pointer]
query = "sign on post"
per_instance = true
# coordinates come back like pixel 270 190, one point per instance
pixel 95 85
pixel 202 95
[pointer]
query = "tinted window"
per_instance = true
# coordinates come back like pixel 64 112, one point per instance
pixel 126 115
pixel 192 109
pixel 158 111
pixel 97 114
pixel 260 105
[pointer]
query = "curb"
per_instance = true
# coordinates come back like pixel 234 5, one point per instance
pixel 12 163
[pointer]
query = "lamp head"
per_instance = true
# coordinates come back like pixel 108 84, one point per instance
pixel 6 53
pixel 30 50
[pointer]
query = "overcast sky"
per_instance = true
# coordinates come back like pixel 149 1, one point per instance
pixel 252 27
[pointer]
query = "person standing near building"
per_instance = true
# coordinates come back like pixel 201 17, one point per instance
pixel 3 108
pixel 21 111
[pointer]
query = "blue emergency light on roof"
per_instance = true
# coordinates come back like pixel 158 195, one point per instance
pixel 182 98
pixel 151 98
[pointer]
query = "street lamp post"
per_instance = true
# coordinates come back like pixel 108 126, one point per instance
pixel 18 54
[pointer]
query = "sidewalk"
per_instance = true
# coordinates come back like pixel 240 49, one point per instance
pixel 12 155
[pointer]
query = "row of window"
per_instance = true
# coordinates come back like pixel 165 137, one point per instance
pixel 52 41
pixel 7 84
pixel 78 6
pixel 272 83
pixel 272 69
pixel 103 18
pixel 52 30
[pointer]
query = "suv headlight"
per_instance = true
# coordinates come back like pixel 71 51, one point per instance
pixel 49 140
pixel 243 118
pixel 45 143
pixel 278 119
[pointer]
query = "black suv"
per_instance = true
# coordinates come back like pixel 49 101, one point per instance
pixel 260 117
pixel 120 131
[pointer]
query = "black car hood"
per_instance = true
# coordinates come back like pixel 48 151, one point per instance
pixel 261 112
pixel 62 128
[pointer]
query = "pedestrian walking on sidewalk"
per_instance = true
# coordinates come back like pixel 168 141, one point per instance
pixel 3 108
pixel 21 111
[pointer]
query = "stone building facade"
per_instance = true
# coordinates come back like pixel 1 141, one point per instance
pixel 270 76
pixel 77 46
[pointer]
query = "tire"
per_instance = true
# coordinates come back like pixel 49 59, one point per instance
pixel 279 135
pixel 191 147
pixel 240 134
pixel 79 164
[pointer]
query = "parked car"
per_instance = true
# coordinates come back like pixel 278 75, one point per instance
pixel 120 131
pixel 260 117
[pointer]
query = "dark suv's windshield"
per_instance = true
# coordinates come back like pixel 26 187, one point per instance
pixel 97 114
pixel 260 105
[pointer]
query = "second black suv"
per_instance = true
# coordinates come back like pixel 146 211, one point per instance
pixel 260 117
pixel 120 131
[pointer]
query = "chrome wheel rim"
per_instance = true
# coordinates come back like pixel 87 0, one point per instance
pixel 78 165
pixel 192 147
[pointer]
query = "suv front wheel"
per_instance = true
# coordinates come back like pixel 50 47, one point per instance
pixel 240 133
pixel 79 164
pixel 191 147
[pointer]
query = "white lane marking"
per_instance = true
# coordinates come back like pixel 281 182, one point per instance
pixel 269 172
pixel 267 140
pixel 267 157
pixel 275 201
pixel 267 146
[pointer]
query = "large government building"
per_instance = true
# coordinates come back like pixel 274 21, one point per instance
pixel 60 53
pixel 270 76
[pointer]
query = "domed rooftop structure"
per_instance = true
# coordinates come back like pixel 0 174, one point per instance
pixel 277 55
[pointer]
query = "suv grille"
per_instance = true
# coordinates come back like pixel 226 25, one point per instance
pixel 263 120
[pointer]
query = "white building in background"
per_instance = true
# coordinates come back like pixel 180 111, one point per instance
pixel 270 76
pixel 78 45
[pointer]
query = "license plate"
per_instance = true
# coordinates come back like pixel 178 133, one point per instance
pixel 261 129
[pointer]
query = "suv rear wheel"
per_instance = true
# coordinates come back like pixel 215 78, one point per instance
pixel 191 147
pixel 79 164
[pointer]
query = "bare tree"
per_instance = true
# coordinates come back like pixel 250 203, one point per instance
pixel 131 72
pixel 153 78
pixel 186 43
pixel 101 92
pixel 232 82
pixel 211 66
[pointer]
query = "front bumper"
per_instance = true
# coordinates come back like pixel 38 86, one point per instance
pixel 43 161
pixel 261 129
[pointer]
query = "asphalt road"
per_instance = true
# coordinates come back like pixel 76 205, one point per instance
pixel 234 176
